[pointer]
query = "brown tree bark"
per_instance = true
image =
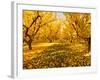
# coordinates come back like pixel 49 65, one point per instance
pixel 30 45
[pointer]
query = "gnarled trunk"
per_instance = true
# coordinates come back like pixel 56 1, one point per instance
pixel 30 44
pixel 88 41
pixel 89 44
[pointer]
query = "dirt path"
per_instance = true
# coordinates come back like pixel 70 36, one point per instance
pixel 47 55
pixel 41 45
pixel 36 50
pixel 44 44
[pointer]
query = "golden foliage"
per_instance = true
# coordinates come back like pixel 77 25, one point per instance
pixel 56 39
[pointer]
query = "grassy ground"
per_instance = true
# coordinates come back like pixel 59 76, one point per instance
pixel 53 55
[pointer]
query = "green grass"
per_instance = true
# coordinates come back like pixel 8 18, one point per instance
pixel 57 55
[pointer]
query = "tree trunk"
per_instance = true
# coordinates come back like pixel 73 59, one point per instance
pixel 89 43
pixel 50 40
pixel 30 45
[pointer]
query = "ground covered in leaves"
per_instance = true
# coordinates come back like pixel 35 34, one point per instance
pixel 54 55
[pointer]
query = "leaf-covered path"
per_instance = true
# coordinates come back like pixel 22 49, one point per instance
pixel 50 55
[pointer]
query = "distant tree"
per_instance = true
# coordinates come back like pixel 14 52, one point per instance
pixel 51 32
pixel 81 23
